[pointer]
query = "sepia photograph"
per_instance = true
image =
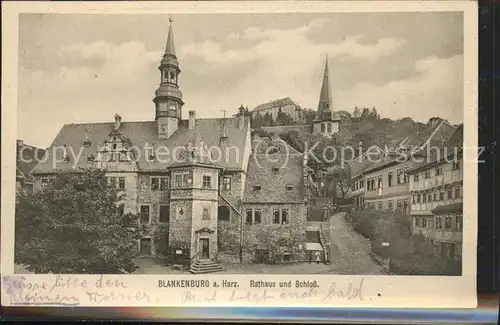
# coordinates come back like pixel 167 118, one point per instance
pixel 290 143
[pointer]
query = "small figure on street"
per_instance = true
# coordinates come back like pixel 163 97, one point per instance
pixel 310 257
pixel 317 258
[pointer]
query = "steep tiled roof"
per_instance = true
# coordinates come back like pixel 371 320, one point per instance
pixel 144 134
pixel 453 144
pixel 274 103
pixel 273 183
pixel 30 157
pixel 436 134
pixel 433 136
pixel 360 163
pixel 456 139
pixel 273 172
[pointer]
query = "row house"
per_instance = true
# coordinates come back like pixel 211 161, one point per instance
pixel 436 190
pixel 387 181
pixel 356 168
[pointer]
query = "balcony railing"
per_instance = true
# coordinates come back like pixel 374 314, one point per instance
pixel 448 177
pixel 429 206
pixel 447 235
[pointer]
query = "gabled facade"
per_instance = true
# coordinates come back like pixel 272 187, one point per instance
pixel 192 181
pixel 26 159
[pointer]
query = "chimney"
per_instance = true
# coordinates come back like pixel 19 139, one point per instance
pixel 241 113
pixel 118 121
pixel 433 121
pixel 192 119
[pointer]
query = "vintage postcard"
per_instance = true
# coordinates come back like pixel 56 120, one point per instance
pixel 239 153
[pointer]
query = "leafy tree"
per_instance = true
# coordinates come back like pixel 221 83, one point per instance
pixel 374 114
pixel 309 116
pixel 74 225
pixel 161 240
pixel 283 118
pixel 267 120
pixel 356 113
pixel 343 180
pixel 365 113
pixel 257 121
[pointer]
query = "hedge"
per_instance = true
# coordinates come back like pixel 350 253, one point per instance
pixel 421 264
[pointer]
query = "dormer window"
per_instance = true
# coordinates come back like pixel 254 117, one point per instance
pixel 276 169
pixel 86 143
pixel 257 188
pixel 90 157
pixel 151 153
pixel 273 150
pixel 289 187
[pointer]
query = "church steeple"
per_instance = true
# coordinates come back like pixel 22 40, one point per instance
pixel 326 121
pixel 168 99
pixel 325 96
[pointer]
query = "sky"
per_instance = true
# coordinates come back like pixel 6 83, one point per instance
pixel 76 68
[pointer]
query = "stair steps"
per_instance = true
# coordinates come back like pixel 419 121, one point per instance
pixel 205 266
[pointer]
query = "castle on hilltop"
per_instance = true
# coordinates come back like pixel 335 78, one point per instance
pixel 326 121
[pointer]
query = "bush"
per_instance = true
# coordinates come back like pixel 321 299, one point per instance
pixel 422 264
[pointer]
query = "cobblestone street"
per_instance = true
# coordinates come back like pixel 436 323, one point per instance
pixel 350 251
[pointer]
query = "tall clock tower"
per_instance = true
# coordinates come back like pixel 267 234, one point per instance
pixel 168 99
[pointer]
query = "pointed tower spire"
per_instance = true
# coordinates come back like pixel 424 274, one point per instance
pixel 168 97
pixel 170 48
pixel 325 96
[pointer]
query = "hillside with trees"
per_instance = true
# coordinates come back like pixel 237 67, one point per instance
pixel 364 126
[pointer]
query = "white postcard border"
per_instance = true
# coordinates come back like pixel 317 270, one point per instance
pixel 378 291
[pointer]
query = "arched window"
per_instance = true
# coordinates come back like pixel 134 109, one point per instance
pixel 329 127
pixel 223 213
pixel 172 76
pixel 322 127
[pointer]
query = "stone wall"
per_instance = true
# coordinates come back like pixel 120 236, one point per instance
pixel 180 225
pixel 268 233
pixel 229 238
pixel 145 196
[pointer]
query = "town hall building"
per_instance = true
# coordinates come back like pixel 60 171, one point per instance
pixel 207 189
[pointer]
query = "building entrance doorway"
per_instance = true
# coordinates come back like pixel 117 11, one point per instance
pixel 261 256
pixel 205 247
